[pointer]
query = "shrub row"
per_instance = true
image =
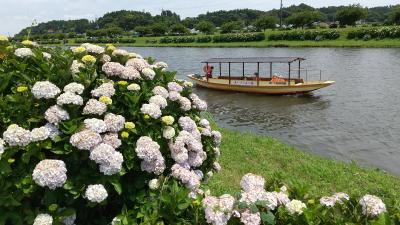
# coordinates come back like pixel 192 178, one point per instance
pixel 166 40
pixel 375 33
pixel 241 37
pixel 305 35
pixel 105 40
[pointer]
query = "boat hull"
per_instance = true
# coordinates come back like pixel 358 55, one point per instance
pixel 262 89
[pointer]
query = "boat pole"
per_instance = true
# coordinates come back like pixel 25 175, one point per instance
pixel 289 75
pixel 270 70
pixel 299 68
pixel 207 71
pixel 220 70
pixel 243 70
pixel 258 74
pixel 229 68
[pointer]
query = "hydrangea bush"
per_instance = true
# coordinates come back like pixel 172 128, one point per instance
pixel 89 134
pixel 94 135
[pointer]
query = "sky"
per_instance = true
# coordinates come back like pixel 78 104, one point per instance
pixel 18 14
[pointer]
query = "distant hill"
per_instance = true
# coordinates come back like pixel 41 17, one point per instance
pixel 125 20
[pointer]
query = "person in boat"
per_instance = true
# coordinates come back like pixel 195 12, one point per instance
pixel 208 70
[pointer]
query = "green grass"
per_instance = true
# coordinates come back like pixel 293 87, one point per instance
pixel 341 42
pixel 243 153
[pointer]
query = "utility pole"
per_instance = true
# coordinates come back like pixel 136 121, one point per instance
pixel 280 16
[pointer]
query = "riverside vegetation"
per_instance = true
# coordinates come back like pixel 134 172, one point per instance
pixel 100 135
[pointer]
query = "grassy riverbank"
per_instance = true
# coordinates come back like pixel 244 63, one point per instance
pixel 243 153
pixel 342 41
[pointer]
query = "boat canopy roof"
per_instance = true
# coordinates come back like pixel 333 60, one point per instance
pixel 254 60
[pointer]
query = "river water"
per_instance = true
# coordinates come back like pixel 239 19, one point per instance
pixel 356 119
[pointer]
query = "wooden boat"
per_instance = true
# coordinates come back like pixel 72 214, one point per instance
pixel 256 83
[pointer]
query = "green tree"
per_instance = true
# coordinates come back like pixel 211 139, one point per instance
pixel 306 18
pixel 394 15
pixel 143 30
pixel 266 22
pixel 351 14
pixel 231 26
pixel 159 29
pixel 205 27
pixel 179 29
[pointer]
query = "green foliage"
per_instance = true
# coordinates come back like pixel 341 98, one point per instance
pixel 375 33
pixel 266 22
pixel 21 199
pixel 105 40
pixel 351 14
pixel 394 15
pixel 229 27
pixel 205 27
pixel 305 18
pixel 300 35
pixel 159 29
pixel 179 29
pixel 204 39
pixel 239 37
pixel 184 39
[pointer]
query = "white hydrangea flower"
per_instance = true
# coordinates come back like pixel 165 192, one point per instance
pixel 249 218
pixel 130 73
pixel 69 98
pixel 149 151
pixel 43 219
pixel 110 160
pixel 295 207
pixel 372 206
pixel 218 211
pixel 217 166
pixel 113 69
pixel 50 173
pixel 94 107
pixel 327 201
pixel 85 140
pixel 96 125
pixel 160 65
pixel 45 89
pixel 255 195
pixel 76 66
pixel 56 114
pixel 106 89
pixel 159 100
pixel 158 90
pixel 54 131
pixel 96 193
pixel 69 220
pixel 133 87
pixel 185 103
pixel 174 96
pixel 173 86
pixel 152 110
pixel 23 52
pixel 91 48
pixel 2 143
pixel 198 103
pixel 17 136
pixel 168 132
pixel 137 63
pixel 154 184
pixel 186 176
pixel 187 84
pixel 46 55
pixel 187 123
pixel 119 52
pixel 168 120
pixel 217 137
pixel 112 140
pixel 281 197
pixel 114 122
pixel 148 73
pixel 105 58
pixel 116 221
pixel 40 134
pixel 75 88
pixel 251 182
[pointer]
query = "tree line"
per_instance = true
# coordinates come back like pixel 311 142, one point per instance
pixel 125 22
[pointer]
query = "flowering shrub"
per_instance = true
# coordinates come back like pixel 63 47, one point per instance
pixel 255 205
pixel 184 39
pixel 90 134
pixel 374 33
pixel 239 37
pixel 105 40
pixel 301 35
